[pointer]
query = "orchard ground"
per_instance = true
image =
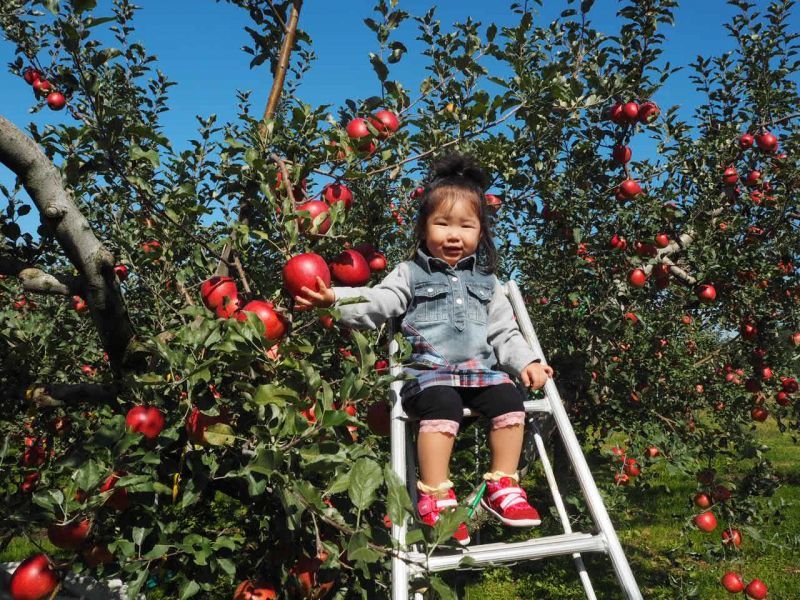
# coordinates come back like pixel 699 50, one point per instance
pixel 648 516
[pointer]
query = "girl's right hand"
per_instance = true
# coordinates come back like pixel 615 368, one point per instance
pixel 323 297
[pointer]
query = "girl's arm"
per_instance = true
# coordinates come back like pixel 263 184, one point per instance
pixel 389 298
pixel 513 352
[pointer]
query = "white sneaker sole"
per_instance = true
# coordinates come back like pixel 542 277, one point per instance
pixel 509 522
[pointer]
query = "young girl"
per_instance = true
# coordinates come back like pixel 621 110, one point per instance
pixel 461 327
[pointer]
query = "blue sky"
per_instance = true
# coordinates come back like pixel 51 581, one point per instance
pixel 198 43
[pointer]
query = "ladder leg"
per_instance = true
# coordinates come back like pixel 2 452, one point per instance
pixel 562 512
pixel 593 499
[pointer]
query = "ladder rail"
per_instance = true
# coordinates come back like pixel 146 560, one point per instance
pixel 592 495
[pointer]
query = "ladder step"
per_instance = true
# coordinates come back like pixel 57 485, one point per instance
pixel 493 554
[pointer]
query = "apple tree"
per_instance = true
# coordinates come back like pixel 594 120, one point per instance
pixel 174 421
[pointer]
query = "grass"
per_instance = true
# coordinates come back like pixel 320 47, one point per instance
pixel 668 556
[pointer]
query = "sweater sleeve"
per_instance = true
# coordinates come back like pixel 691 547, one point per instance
pixel 387 299
pixel 513 352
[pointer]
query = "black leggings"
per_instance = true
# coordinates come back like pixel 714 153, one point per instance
pixel 441 407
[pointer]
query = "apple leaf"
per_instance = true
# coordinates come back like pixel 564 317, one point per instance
pixel 220 434
pixel 357 549
pixel 381 70
pixel 364 481
pixel 80 6
pixel 442 590
pixel 398 503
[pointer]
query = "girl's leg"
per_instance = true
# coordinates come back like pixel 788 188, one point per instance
pixel 503 404
pixel 440 410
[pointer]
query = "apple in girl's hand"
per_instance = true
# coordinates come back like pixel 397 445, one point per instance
pixel 302 270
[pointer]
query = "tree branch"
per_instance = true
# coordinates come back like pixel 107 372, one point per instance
pixel 58 211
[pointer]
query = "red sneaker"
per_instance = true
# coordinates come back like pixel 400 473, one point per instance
pixel 509 503
pixel 429 508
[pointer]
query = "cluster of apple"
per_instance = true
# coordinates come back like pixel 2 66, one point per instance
pixel 628 114
pixel 630 467
pixel 42 87
pixel 760 189
pixel 707 522
pixel 384 122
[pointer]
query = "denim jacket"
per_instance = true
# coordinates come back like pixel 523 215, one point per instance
pixel 461 312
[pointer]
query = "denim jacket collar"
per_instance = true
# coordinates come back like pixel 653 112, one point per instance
pixel 427 262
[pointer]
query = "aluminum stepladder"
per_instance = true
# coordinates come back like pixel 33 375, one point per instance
pixel 412 563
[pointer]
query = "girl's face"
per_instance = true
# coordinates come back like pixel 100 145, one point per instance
pixel 453 232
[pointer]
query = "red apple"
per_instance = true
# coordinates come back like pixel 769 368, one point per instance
pixel 767 142
pixel 385 121
pixel 662 240
pixel 216 289
pixel 79 304
pixel 630 112
pixel 732 582
pixel 29 482
pixel 379 418
pixel 782 398
pixel 789 385
pixel 151 247
pixel 147 420
pixel 229 307
pixel 69 535
pixel 630 188
pixel 759 413
pixel 721 493
pixel 621 479
pixel 748 331
pixel 255 590
pixel 753 178
pixel 302 270
pixel 327 321
pixel 756 589
pixel 34 579
pixel 648 112
pixel 732 536
pixel 637 278
pixel 56 100
pixel 306 572
pixel 652 452
pixel 702 500
pixel 336 192
pixel 30 75
pixel 97 554
pixel 621 153
pixel 197 423
pixel 746 141
pixel 706 293
pixel 706 521
pixel 616 114
pixel 730 176
pixel 629 316
pixel 298 190
pixel 42 87
pixel 118 499
pixel 34 454
pixel 492 201
pixel 350 268
pixel 274 322
pixel 357 128
pixel 314 208
pixel 766 373
pixel 121 271
pixel 632 468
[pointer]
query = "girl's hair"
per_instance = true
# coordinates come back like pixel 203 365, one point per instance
pixel 456 176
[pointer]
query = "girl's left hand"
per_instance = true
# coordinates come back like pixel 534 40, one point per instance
pixel 535 375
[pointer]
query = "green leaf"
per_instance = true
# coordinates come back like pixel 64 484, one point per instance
pixel 357 549
pixel 80 6
pixel 442 589
pixel 381 70
pixel 364 481
pixel 273 394
pixel 398 502
pixel 220 434
pixel 137 152
pixel 189 589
